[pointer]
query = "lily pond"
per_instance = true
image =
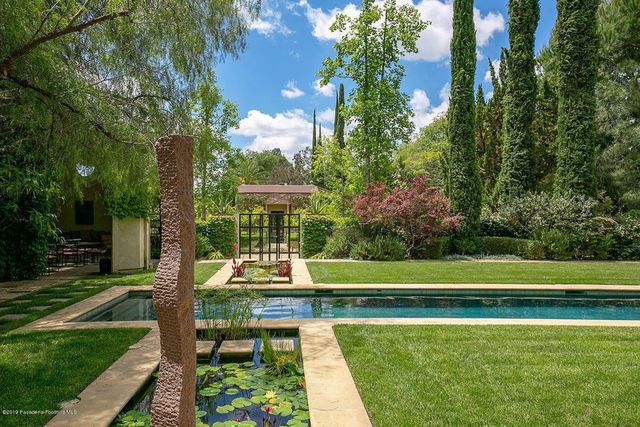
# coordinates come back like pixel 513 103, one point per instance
pixel 240 394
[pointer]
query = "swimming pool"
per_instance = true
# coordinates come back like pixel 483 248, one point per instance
pixel 405 304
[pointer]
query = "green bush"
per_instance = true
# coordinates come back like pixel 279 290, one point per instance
pixel 380 248
pixel 626 237
pixel 524 248
pixel 203 247
pixel 436 248
pixel 315 230
pixel 341 241
pixel 540 211
pixel 220 231
pixel 558 245
pixel 494 224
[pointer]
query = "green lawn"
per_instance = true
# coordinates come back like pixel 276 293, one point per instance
pixel 565 272
pixel 40 369
pixel 79 290
pixel 495 375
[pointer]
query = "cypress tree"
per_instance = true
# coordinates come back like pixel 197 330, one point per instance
pixel 516 174
pixel 335 114
pixel 577 54
pixel 465 189
pixel 313 139
pixel 319 143
pixel 480 129
pixel 339 129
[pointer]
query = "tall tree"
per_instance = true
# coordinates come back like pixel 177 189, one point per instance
pixel 213 117
pixel 577 50
pixel 465 189
pixel 339 121
pixel 480 128
pixel 91 83
pixel 493 125
pixel 618 107
pixel 369 53
pixel 517 171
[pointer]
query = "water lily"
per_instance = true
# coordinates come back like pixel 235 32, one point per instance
pixel 268 409
pixel 270 394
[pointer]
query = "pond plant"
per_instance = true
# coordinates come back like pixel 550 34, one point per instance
pixel 246 394
pixel 227 312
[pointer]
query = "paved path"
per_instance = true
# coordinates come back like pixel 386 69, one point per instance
pixel 10 290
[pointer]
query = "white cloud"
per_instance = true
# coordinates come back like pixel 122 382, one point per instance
pixel 289 131
pixel 424 112
pixel 269 22
pixel 434 42
pixel 496 66
pixel 326 116
pixel 321 21
pixel 291 90
pixel 327 90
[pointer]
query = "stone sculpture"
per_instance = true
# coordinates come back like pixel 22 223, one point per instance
pixel 173 295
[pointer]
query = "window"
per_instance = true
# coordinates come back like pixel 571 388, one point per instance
pixel 84 212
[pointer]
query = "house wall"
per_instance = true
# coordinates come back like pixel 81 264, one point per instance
pixel 131 244
pixel 90 232
pixel 277 207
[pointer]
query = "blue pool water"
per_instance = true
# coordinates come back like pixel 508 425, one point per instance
pixel 276 305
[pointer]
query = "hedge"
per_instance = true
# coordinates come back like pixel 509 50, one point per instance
pixel 525 248
pixel 220 231
pixel 435 248
pixel 315 230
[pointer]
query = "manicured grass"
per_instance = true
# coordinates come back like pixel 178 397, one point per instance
pixel 495 375
pixel 41 369
pixel 79 290
pixel 565 272
pixel 203 271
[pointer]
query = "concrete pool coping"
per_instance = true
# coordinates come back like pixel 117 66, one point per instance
pixel 331 391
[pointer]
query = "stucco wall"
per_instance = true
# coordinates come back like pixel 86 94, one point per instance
pixel 101 221
pixel 131 244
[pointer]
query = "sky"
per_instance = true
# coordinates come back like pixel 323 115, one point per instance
pixel 274 80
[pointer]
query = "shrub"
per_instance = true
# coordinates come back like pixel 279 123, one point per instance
pixel 341 241
pixel 416 212
pixel 315 230
pixel 557 244
pixel 380 248
pixel 494 224
pixel 220 231
pixel 203 247
pixel 430 249
pixel 524 248
pixel 626 237
pixel 540 211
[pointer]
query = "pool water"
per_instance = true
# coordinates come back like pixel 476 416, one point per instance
pixel 275 305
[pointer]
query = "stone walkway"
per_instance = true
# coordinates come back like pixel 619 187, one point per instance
pixel 11 290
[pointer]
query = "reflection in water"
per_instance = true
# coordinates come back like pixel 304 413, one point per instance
pixel 140 307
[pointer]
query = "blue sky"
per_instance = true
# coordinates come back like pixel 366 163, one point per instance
pixel 273 80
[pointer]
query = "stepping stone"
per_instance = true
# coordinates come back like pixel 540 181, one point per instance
pixel 280 345
pixel 280 280
pixel 204 348
pixel 59 300
pixel 13 316
pixel 76 293
pixel 40 307
pixel 236 348
pixel 21 301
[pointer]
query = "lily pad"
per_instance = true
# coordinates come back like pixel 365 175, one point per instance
pixel 224 409
pixel 241 402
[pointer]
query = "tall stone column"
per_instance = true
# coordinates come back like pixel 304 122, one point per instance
pixel 173 293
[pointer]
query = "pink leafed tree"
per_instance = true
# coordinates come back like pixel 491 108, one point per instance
pixel 417 212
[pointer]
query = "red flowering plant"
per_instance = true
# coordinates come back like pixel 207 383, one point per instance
pixel 237 268
pixel 416 212
pixel 284 268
